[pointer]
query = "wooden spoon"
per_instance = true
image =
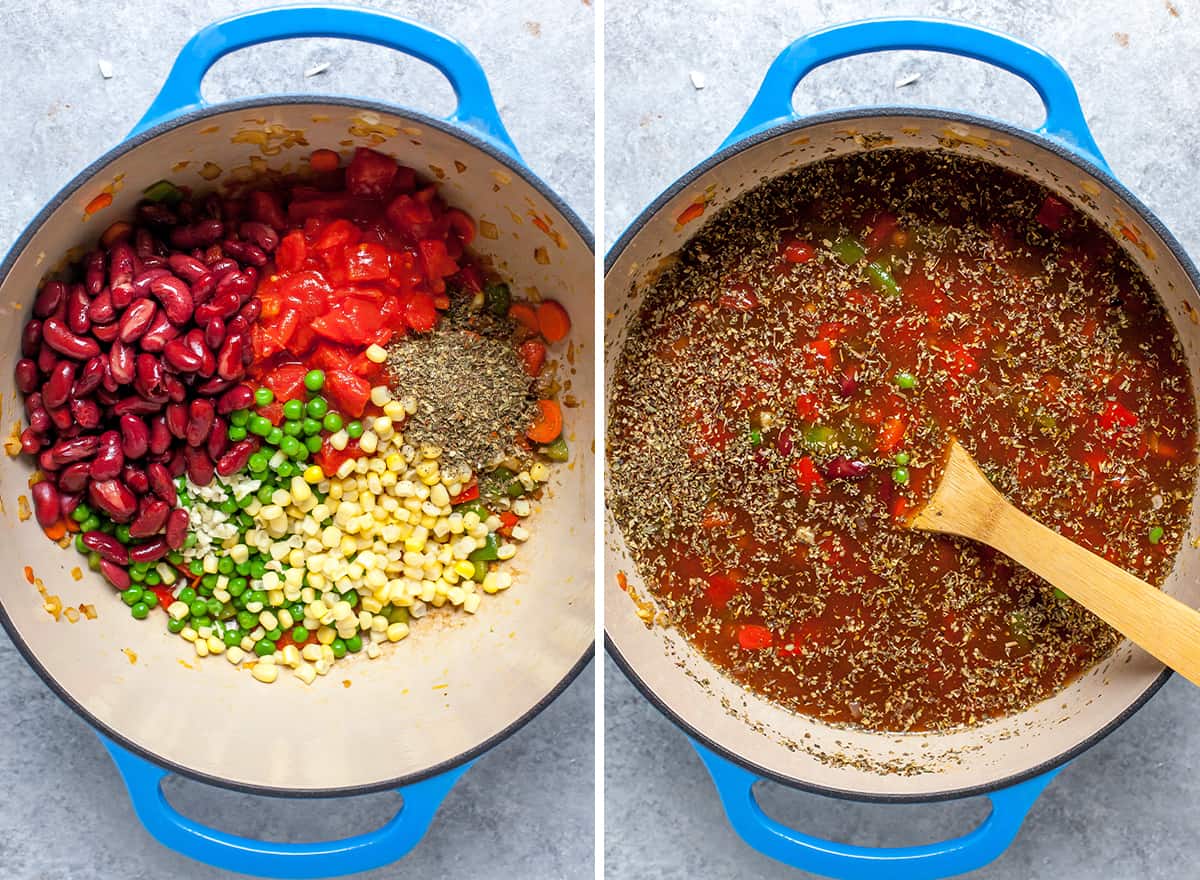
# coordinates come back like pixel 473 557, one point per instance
pixel 965 503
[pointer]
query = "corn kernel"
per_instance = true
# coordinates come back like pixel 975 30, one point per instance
pixel 235 655
pixel 306 673
pixel 313 475
pixel 376 354
pixel 368 443
pixel 265 672
pixel 397 631
pixel 380 395
pixel 539 472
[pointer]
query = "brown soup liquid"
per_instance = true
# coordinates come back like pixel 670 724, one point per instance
pixel 790 383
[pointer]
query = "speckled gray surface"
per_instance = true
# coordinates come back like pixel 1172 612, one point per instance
pixel 525 809
pixel 1128 807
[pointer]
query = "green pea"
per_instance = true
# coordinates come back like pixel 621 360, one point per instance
pixel 259 596
pixel 313 444
pixel 1156 534
pixel 80 513
pixel 91 524
pixel 153 579
pixel 332 422
pixel 240 417
pixel 236 433
pixel 264 493
pixel 264 648
pixel 302 455
pixel 150 598
pixel 257 569
pixel 140 567
pixel 354 429
pixel 257 463
pixel 94 561
pixel 906 381
pixel 315 380
pixel 290 446
pixel 198 608
pixel 227 507
pixel 293 410
pixel 201 621
pixel 264 396
pixel 190 541
pixel 900 475
pixel 108 527
pixel 131 595
pixel 237 586
pixel 286 470
pixel 175 626
pixel 275 635
pixel 354 643
pixel 232 638
pixel 122 534
pixel 187 596
pixel 293 429
pixel 215 607
pixel 245 520
pixel 140 610
pixel 80 546
pixel 225 565
pixel 175 557
pixel 274 436
pixel 246 620
pixel 339 648
pixel 243 568
pixel 137 576
pixel 299 635
pixel 901 458
pixel 209 582
pixel 755 437
pixel 350 597
pixel 317 408
pixel 244 502
pixel 310 426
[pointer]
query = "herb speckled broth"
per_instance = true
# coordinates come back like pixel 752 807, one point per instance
pixel 791 381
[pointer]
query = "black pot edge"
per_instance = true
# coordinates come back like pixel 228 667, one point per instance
pixel 864 115
pixel 18 247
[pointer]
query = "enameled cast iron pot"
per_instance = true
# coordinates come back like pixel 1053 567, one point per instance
pixel 742 737
pixel 415 718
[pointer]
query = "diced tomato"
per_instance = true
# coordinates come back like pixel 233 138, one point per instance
pixel 753 637
pixel 508 519
pixel 808 478
pixel 462 225
pixel 1115 415
pixel 832 330
pixel 367 262
pixel 891 432
pixel 469 278
pixel 331 205
pixel 1053 212
pixel 410 217
pixel 348 391
pixel 351 322
pixel 958 361
pixel 796 251
pixel 739 297
pixel 330 459
pixel 881 230
pixel 436 261
pixel 370 174
pixel 272 411
pixel 899 507
pixel 1095 459
pixel 807 407
pixel 533 356
pixel 291 252
pixel 420 314
pixel 266 208
pixel 337 233
pixel 721 588
pixel 799 639
pixel 287 381
pixel 165 595
pixel 819 353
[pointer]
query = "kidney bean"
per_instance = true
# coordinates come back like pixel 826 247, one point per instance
pixel 245 252
pixel 68 501
pixel 142 281
pixel 251 310
pixel 46 462
pixel 218 439
pixel 199 466
pixel 175 297
pixel 159 333
pixel 57 389
pixel 106 394
pixel 180 357
pixel 144 244
pixel 31 442
pixel 35 413
pixel 237 324
pixel 90 377
pixel 86 413
pixel 197 234
pixel 177 528
pixel 107 546
pixel 261 234
pixel 236 457
pixel 93 272
pixel 157 214
pixel 135 405
pixel 240 284
pixel 215 385
pixel 186 267
pixel 49 298
pixel 62 419
pixel 177 420
pixel 214 334
pixel 137 320
pixel 75 477
pixel 161 483
pixel 45 503
pixel 27 375
pixel 845 468
pixel 47 360
pixel 135 436
pixel 200 422
pixel 160 434
pixel 150 551
pixel 176 390
pixel 122 360
pixel 213 205
pixel 115 574
pixel 222 266
pixel 153 261
pixel 105 332
pixel 79 449
pixel 136 479
pixel 203 287
pixel 229 360
pixel 151 517
pixel 122 295
pixel 31 339
pixel 60 338
pixel 109 458
pixel 177 463
pixel 78 309
pixel 100 309
pixel 120 264
pixel 148 378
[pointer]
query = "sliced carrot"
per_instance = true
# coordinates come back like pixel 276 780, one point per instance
pixel 553 321
pixel 524 314
pixel 549 424
pixel 533 355
pixel 71 525
pixel 56 531
pixel 324 160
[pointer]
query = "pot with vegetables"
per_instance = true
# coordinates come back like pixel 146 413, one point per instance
pixel 305 405
pixel 799 326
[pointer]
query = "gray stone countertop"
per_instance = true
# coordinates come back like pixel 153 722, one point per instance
pixel 1128 807
pixel 526 808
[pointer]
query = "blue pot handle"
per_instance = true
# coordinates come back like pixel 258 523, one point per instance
pixel 476 110
pixel 846 862
pixel 1064 116
pixel 267 859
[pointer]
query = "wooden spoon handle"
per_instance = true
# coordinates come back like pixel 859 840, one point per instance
pixel 1160 624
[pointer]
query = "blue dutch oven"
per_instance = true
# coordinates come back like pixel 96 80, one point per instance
pixel 742 737
pixel 416 718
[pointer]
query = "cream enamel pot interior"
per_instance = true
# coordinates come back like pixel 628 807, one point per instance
pixel 415 717
pixel 742 737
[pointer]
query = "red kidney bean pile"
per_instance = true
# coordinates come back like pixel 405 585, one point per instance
pixel 130 365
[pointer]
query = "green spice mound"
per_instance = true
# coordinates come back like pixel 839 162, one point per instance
pixel 474 399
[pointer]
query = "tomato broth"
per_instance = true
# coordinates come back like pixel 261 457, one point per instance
pixel 788 388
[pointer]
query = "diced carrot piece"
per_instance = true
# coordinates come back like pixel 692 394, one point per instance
pixel 549 424
pixel 553 321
